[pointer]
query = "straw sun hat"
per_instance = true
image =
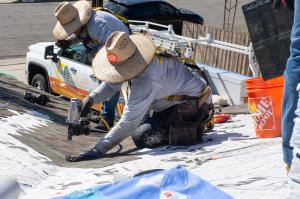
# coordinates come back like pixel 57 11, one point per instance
pixel 70 17
pixel 123 57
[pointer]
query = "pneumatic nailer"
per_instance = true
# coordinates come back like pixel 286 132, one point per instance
pixel 76 125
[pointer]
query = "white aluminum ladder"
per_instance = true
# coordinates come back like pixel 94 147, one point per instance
pixel 166 39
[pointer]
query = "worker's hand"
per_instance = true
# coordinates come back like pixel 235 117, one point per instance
pixel 92 154
pixel 63 44
pixel 87 103
pixel 287 3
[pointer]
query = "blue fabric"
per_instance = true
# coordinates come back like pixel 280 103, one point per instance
pixel 295 140
pixel 294 173
pixel 162 184
pixel 291 78
pixel 108 110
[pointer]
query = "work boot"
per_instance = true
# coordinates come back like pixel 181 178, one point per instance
pixel 103 128
pixel 92 154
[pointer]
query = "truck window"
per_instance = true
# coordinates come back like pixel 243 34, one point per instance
pixel 166 10
pixel 145 11
pixel 116 8
pixel 74 52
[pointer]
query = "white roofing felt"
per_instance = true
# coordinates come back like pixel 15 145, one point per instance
pixel 239 165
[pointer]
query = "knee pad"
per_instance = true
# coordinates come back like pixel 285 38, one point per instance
pixel 148 136
pixel 140 134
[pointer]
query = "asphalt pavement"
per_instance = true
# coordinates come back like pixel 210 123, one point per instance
pixel 14 67
pixel 23 24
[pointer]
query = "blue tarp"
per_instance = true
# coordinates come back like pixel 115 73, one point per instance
pixel 176 183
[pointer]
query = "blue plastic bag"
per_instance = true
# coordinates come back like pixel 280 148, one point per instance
pixel 176 183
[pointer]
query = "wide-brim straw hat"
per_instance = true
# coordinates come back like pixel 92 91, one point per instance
pixel 123 57
pixel 70 17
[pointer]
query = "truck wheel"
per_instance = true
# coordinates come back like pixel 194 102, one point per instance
pixel 39 81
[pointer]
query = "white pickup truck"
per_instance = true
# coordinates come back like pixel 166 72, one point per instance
pixel 59 71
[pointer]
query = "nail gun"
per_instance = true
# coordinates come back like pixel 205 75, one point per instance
pixel 76 125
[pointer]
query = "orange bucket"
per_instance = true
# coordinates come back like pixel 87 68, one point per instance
pixel 264 102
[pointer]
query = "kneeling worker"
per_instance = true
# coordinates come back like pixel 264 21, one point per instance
pixel 78 22
pixel 151 79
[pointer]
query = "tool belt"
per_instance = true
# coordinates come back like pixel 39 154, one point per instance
pixel 174 98
pixel 188 121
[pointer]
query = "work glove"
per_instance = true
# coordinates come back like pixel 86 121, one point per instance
pixel 62 44
pixel 87 103
pixel 287 3
pixel 92 154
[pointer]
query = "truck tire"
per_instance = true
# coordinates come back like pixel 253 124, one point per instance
pixel 40 82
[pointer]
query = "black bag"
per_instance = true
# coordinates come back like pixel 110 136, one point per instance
pixel 270 31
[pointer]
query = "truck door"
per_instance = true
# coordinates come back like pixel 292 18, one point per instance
pixel 74 77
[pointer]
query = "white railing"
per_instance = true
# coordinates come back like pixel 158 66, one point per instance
pixel 166 38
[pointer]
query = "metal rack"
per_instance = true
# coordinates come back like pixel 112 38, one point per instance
pixel 165 38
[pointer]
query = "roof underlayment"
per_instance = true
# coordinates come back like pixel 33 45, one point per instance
pixel 230 158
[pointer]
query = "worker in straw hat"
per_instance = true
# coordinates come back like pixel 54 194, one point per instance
pixel 150 80
pixel 92 29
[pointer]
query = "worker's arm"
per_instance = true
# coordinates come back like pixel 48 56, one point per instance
pixel 102 25
pixel 141 96
pixel 139 101
pixel 102 93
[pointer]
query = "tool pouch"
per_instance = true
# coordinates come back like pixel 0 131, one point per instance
pixel 187 122
pixel 184 133
pixel 205 116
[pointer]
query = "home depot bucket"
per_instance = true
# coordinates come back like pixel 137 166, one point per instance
pixel 264 101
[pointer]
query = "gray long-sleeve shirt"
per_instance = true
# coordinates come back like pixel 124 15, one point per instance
pixel 163 77
pixel 99 27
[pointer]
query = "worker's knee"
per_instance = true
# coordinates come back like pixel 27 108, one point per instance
pixel 148 136
pixel 141 133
